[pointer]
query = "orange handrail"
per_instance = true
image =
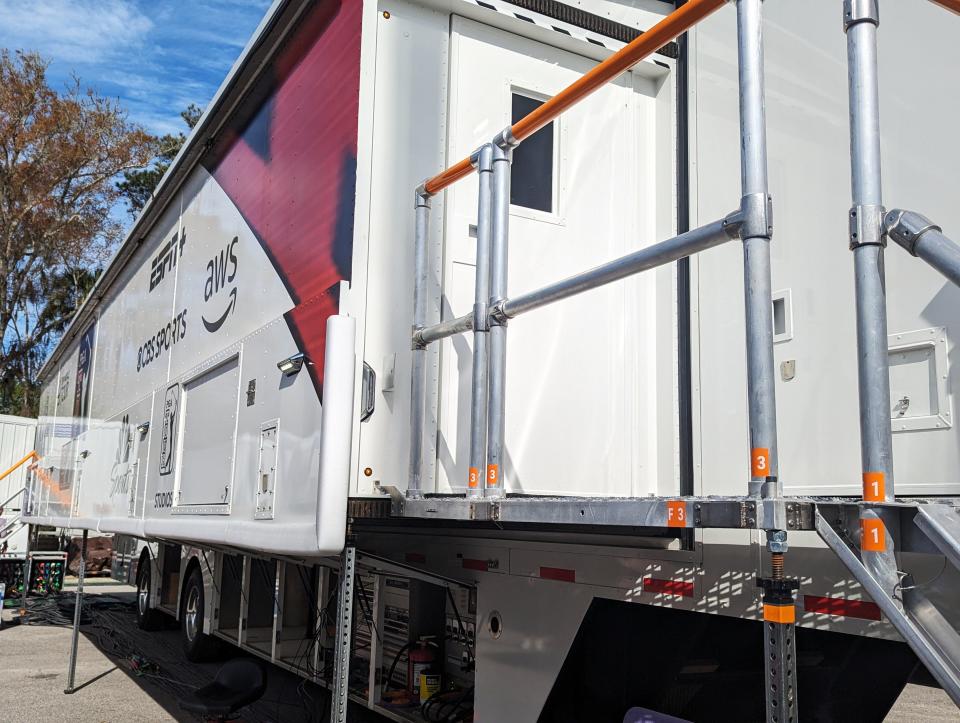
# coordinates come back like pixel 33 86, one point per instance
pixel 31 455
pixel 953 5
pixel 674 24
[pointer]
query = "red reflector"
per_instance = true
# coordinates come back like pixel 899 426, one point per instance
pixel 841 606
pixel 415 557
pixel 558 573
pixel 668 587
pixel 480 565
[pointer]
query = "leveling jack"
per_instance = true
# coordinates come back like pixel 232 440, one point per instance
pixel 779 640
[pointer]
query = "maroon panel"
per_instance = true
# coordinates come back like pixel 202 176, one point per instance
pixel 288 162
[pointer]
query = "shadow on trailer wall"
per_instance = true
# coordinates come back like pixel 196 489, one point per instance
pixel 707 667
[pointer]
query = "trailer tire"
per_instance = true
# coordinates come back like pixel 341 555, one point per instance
pixel 197 645
pixel 147 617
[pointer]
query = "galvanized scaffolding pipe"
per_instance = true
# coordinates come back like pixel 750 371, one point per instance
pixel 450 327
pixel 924 239
pixel 500 217
pixel 867 239
pixel 418 372
pixel 756 233
pixel 481 325
pixel 879 528
pixel 659 254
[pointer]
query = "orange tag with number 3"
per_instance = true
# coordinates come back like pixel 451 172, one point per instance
pixel 760 462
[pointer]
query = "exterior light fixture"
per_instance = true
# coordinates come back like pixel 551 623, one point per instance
pixel 292 364
pixel 143 428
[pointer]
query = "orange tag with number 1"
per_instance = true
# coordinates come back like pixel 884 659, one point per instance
pixel 873 487
pixel 874 537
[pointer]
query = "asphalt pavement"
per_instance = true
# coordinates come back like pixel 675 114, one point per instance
pixel 125 674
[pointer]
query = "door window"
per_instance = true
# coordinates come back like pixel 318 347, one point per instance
pixel 531 180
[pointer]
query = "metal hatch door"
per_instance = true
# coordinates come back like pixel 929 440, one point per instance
pixel 207 439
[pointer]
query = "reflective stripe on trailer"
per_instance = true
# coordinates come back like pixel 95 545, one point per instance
pixel 558 573
pixel 863 609
pixel 680 588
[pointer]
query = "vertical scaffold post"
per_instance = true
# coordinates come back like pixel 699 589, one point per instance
pixel 418 370
pixel 779 612
pixel 861 18
pixel 756 233
pixel 77 606
pixel 867 239
pixel 341 672
pixel 500 214
pixel 481 325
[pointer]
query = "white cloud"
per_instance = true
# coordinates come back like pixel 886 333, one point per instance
pixel 154 57
pixel 76 32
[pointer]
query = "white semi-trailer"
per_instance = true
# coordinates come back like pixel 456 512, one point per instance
pixel 572 525
pixel 17 441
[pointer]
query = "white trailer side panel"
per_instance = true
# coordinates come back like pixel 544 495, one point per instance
pixel 166 392
pixel 807 118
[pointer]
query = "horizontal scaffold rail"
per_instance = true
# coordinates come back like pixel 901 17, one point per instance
pixel 952 5
pixel 659 254
pixel 674 24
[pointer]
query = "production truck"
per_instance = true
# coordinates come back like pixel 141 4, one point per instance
pixel 673 490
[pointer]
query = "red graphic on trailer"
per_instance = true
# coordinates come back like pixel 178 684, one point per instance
pixel 289 166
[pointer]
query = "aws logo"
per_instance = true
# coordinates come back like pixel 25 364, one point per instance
pixel 221 273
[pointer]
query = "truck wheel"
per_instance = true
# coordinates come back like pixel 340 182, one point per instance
pixel 147 617
pixel 197 645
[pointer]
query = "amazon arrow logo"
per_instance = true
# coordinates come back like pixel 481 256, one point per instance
pixel 213 326
pixel 221 270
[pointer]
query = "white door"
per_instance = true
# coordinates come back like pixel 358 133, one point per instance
pixel 582 380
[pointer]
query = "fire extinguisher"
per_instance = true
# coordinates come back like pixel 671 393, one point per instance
pixel 420 661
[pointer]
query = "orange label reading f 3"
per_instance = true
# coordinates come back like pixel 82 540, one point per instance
pixel 676 513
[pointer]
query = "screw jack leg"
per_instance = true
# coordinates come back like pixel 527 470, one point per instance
pixel 779 640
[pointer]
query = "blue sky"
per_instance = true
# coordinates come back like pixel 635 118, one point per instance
pixel 155 57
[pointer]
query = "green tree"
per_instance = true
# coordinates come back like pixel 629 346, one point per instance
pixel 55 300
pixel 138 184
pixel 59 154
